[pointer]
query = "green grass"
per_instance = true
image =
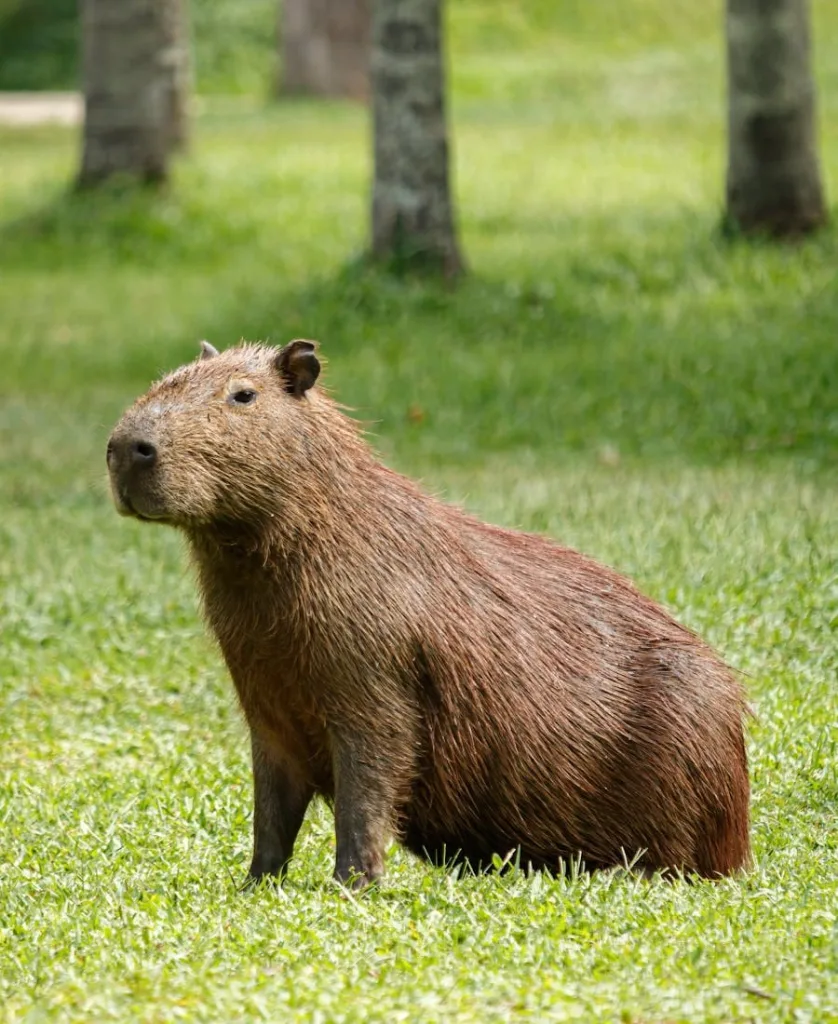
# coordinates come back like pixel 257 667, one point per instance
pixel 611 373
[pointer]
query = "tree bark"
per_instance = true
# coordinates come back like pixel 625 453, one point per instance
pixel 135 71
pixel 773 177
pixel 412 210
pixel 176 59
pixel 325 48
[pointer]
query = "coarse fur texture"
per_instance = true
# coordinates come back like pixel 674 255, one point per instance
pixel 469 689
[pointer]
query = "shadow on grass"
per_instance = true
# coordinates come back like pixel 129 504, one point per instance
pixel 698 359
pixel 650 337
pixel 121 222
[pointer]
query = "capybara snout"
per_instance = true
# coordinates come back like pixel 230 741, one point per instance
pixel 468 689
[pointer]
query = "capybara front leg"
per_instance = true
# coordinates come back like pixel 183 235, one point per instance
pixel 365 789
pixel 280 802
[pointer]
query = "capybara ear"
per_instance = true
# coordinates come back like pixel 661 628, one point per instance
pixel 207 350
pixel 298 365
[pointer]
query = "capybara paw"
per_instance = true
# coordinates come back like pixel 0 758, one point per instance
pixel 255 878
pixel 356 881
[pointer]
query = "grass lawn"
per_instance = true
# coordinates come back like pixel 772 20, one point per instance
pixel 611 373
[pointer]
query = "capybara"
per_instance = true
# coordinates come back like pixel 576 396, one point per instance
pixel 467 689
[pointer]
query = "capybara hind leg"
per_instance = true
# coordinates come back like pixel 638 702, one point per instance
pixel 724 847
pixel 280 800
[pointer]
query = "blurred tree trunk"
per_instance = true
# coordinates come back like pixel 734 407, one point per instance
pixel 176 58
pixel 773 178
pixel 412 210
pixel 135 67
pixel 325 47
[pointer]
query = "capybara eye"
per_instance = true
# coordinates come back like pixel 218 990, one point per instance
pixel 243 397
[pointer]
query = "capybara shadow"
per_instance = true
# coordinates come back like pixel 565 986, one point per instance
pixel 461 687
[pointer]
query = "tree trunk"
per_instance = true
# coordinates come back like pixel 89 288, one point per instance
pixel 176 58
pixel 325 48
pixel 773 178
pixel 412 210
pixel 135 71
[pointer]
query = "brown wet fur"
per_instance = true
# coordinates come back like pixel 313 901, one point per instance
pixel 468 689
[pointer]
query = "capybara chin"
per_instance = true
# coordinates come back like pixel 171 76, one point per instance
pixel 468 689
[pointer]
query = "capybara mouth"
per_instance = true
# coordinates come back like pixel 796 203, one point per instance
pixel 126 507
pixel 122 503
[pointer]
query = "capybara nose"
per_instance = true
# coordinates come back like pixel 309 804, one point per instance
pixel 143 454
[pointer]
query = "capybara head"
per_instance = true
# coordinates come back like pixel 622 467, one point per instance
pixel 192 451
